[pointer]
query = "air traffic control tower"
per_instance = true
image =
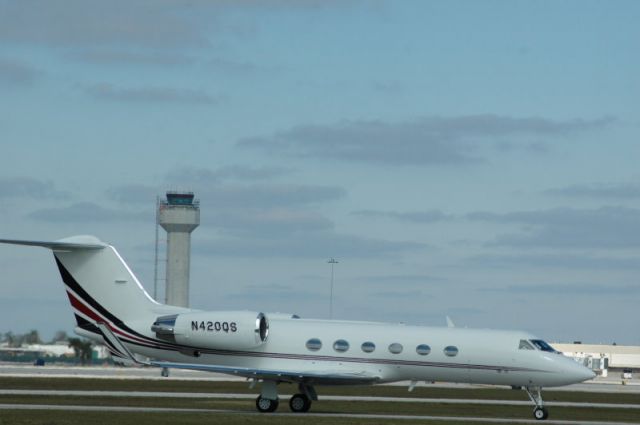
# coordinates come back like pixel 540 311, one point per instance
pixel 179 215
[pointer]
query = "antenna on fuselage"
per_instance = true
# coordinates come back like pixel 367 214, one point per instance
pixel 450 323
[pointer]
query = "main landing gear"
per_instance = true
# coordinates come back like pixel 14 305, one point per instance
pixel 266 405
pixel 535 394
pixel 299 403
pixel 268 401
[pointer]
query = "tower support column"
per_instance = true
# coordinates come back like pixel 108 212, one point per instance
pixel 179 215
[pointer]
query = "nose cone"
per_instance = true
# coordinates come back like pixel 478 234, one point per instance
pixel 575 372
pixel 586 374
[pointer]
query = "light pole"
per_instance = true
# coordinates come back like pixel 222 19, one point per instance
pixel 333 262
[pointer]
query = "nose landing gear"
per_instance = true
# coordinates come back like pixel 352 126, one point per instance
pixel 540 413
pixel 535 394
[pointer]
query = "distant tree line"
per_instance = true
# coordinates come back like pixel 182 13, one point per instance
pixel 31 337
pixel 82 348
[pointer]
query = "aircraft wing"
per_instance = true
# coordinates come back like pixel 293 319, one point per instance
pixel 301 376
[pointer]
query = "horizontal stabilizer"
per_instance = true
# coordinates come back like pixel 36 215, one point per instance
pixel 72 243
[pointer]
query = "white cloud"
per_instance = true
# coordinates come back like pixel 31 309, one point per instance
pixel 423 141
pixel 174 24
pixel 556 260
pixel 321 244
pixel 606 227
pixel 150 23
pixel 271 222
pixel 431 216
pixel 599 191
pixel 30 188
pixel 194 175
pixel 111 56
pixel 106 91
pixel 87 212
pixel 17 73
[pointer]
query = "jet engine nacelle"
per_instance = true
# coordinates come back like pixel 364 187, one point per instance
pixel 218 330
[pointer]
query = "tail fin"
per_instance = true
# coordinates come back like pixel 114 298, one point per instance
pixel 99 284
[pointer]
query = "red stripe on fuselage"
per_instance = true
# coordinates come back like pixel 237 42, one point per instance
pixel 81 307
pixel 78 305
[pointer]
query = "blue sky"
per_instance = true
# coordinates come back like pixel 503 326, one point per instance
pixel 461 158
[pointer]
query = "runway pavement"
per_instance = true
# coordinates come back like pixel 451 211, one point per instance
pixel 305 415
pixel 12 370
pixel 610 384
pixel 227 396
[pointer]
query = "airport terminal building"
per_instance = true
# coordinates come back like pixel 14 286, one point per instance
pixel 603 359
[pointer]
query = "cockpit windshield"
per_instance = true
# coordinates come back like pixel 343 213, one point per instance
pixel 525 345
pixel 542 345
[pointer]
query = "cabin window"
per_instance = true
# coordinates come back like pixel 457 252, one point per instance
pixel 451 351
pixel 395 348
pixel 368 347
pixel 423 349
pixel 525 345
pixel 341 345
pixel 314 344
pixel 542 345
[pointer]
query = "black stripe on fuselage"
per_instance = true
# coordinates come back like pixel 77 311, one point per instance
pixel 86 325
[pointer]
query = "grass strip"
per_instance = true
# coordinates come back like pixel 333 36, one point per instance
pixel 340 407
pixel 21 417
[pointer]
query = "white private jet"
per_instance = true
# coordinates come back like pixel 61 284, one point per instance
pixel 112 308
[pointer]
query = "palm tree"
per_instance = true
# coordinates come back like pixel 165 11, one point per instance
pixel 82 348
pixel 60 336
pixel 9 338
pixel 33 337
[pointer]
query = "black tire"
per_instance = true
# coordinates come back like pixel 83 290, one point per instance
pixel 265 405
pixel 299 403
pixel 540 413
